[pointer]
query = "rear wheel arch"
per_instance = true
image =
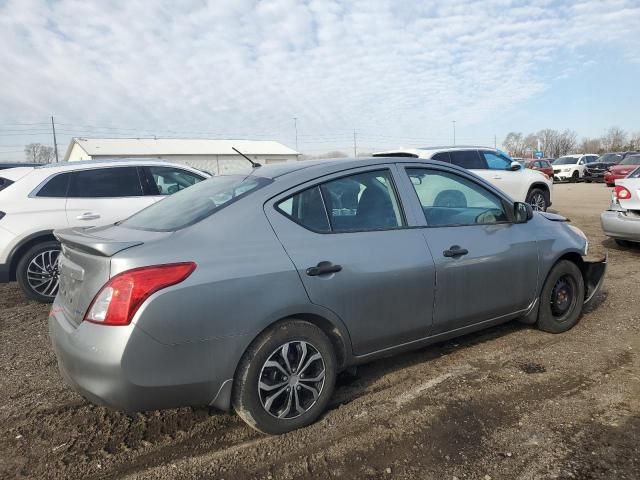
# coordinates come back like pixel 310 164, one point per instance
pixel 24 246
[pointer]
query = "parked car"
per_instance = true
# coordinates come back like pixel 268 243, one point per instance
pixel 622 220
pixel 35 201
pixel 4 166
pixel 595 171
pixel 492 165
pixel 255 291
pixel 541 165
pixel 571 167
pixel 621 170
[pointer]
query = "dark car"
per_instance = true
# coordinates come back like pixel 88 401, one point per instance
pixel 595 172
pixel 621 170
pixel 4 166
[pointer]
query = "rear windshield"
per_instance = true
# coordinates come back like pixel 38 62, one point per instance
pixel 632 160
pixel 566 161
pixel 4 183
pixel 194 204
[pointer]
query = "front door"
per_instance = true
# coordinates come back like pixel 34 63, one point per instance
pixel 486 265
pixel 347 236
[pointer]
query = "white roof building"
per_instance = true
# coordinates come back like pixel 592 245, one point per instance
pixel 215 156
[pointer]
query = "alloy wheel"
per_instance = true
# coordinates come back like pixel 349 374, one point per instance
pixel 538 202
pixel 291 380
pixel 42 273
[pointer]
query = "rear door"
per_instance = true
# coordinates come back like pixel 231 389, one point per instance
pixel 101 196
pixel 348 238
pixel 486 266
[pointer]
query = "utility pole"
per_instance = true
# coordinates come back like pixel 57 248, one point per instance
pixel 55 143
pixel 454 132
pixel 495 141
pixel 355 145
pixel 295 126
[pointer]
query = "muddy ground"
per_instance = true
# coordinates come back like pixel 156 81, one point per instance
pixel 510 402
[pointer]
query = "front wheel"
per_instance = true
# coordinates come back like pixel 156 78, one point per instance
pixel 562 298
pixel 285 379
pixel 37 271
pixel 538 199
pixel 575 177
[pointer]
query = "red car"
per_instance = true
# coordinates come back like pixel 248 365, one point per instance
pixel 621 170
pixel 542 165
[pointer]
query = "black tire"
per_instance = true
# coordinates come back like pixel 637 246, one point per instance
pixel 587 181
pixel 562 298
pixel 48 274
pixel 538 199
pixel 575 177
pixel 250 401
pixel 624 243
pixel 610 185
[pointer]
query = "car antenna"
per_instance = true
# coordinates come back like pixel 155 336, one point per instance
pixel 253 164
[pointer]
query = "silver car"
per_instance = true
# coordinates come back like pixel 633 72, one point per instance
pixel 622 220
pixel 255 291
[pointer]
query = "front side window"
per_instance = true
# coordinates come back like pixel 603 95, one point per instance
pixel 111 182
pixel 169 180
pixel 360 202
pixel 448 199
pixel 469 159
pixel 496 161
pixel 194 204
pixel 55 187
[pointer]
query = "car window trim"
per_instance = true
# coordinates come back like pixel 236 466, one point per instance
pixel 374 168
pixel 507 206
pixel 35 192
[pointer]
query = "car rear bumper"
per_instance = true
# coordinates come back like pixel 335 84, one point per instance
pixel 617 224
pixel 122 367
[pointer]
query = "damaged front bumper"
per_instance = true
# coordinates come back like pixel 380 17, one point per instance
pixel 593 272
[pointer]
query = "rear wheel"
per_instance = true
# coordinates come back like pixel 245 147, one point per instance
pixel 538 199
pixel 37 271
pixel 562 298
pixel 624 243
pixel 285 379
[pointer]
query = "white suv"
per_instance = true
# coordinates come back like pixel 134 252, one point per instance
pixel 521 184
pixel 571 167
pixel 35 201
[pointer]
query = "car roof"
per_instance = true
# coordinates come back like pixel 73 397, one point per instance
pixel 433 150
pixel 70 166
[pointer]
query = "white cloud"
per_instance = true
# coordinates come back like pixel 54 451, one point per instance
pixel 397 69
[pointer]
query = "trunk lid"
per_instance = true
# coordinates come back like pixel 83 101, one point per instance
pixel 633 185
pixel 85 263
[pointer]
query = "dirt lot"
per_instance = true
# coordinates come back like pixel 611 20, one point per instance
pixel 510 402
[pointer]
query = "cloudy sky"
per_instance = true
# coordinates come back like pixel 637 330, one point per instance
pixel 397 72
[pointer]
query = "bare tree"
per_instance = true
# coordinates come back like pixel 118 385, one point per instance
pixel 514 143
pixel 567 142
pixel 38 153
pixel 634 141
pixel 548 140
pixel 591 145
pixel 615 139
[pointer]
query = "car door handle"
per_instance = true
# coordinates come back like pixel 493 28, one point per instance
pixel 496 177
pixel 455 251
pixel 323 268
pixel 88 216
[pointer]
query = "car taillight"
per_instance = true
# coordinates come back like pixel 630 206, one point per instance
pixel 117 302
pixel 621 193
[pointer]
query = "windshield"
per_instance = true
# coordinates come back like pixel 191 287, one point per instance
pixel 610 158
pixel 195 203
pixel 631 160
pixel 566 161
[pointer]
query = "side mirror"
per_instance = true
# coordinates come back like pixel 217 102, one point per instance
pixel 514 166
pixel 523 212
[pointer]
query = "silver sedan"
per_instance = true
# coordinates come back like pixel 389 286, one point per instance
pixel 255 291
pixel 622 220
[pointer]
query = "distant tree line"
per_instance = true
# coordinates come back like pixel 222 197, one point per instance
pixel 38 153
pixel 555 143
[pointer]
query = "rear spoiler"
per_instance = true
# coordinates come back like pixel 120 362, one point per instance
pixel 80 239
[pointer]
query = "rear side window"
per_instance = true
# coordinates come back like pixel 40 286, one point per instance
pixel 56 186
pixel 105 182
pixel 361 202
pixel 4 183
pixel 469 159
pixel 442 157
